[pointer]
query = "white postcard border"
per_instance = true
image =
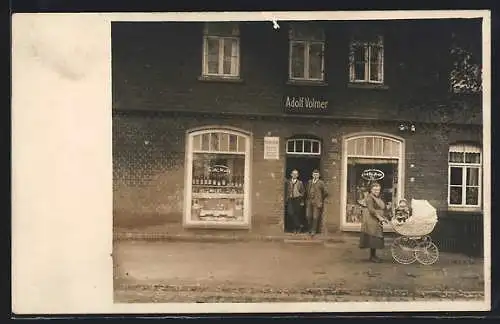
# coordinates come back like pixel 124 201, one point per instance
pixel 62 165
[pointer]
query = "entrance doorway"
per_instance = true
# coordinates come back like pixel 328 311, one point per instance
pixel 304 164
pixel 303 155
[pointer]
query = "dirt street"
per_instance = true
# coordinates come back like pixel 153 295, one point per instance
pixel 271 271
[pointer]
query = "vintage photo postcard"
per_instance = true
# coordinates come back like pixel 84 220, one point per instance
pixel 251 162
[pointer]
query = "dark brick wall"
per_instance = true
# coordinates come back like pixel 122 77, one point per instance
pixel 157 65
pixel 155 70
pixel 149 153
pixel 427 150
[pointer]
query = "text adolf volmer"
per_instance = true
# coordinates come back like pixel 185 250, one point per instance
pixel 305 102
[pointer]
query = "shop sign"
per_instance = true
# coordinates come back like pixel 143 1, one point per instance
pixel 305 105
pixel 219 169
pixel 271 148
pixel 372 175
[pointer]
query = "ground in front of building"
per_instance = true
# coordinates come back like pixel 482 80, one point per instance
pixel 282 272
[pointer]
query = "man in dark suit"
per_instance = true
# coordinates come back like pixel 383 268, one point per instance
pixel 294 197
pixel 316 193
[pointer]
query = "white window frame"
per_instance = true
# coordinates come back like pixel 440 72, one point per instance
pixel 235 36
pixel 368 46
pixel 463 148
pixel 188 178
pixel 307 43
pixel 400 157
pixel 294 140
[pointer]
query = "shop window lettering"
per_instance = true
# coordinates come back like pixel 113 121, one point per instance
pixel 372 175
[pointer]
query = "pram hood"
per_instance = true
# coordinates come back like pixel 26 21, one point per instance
pixel 423 210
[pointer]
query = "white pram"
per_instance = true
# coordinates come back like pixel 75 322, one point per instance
pixel 414 242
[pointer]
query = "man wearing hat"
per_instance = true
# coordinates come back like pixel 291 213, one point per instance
pixel 316 193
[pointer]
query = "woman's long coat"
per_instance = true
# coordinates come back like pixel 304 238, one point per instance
pixel 375 208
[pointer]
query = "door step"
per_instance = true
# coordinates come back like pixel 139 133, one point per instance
pixel 303 241
pixel 316 240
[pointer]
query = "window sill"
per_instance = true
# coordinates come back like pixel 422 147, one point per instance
pixel 216 225
pixel 458 209
pixel 311 83
pixel 224 79
pixel 366 85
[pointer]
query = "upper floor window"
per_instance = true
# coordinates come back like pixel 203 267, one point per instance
pixel 366 60
pixel 221 50
pixel 306 56
pixel 464 176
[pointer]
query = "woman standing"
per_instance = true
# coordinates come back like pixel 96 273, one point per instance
pixel 372 234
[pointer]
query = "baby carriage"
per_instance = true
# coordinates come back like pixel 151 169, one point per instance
pixel 414 242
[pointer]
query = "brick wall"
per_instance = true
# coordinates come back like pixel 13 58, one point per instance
pixel 156 66
pixel 149 153
pixel 155 70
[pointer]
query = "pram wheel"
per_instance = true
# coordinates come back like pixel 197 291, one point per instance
pixel 427 253
pixel 403 250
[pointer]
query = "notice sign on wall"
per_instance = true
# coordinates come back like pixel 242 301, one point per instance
pixel 271 148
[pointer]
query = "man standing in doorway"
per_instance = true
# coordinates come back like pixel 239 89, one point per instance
pixel 295 201
pixel 315 196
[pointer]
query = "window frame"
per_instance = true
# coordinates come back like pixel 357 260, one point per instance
pixel 188 221
pixel 464 166
pixel 222 38
pixel 310 140
pixel 307 42
pixel 368 47
pixel 347 153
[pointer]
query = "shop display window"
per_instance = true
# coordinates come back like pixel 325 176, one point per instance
pixel 218 177
pixel 368 159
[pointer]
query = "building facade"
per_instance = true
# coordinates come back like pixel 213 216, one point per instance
pixel 210 118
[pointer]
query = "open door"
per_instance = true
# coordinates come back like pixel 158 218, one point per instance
pixel 304 155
